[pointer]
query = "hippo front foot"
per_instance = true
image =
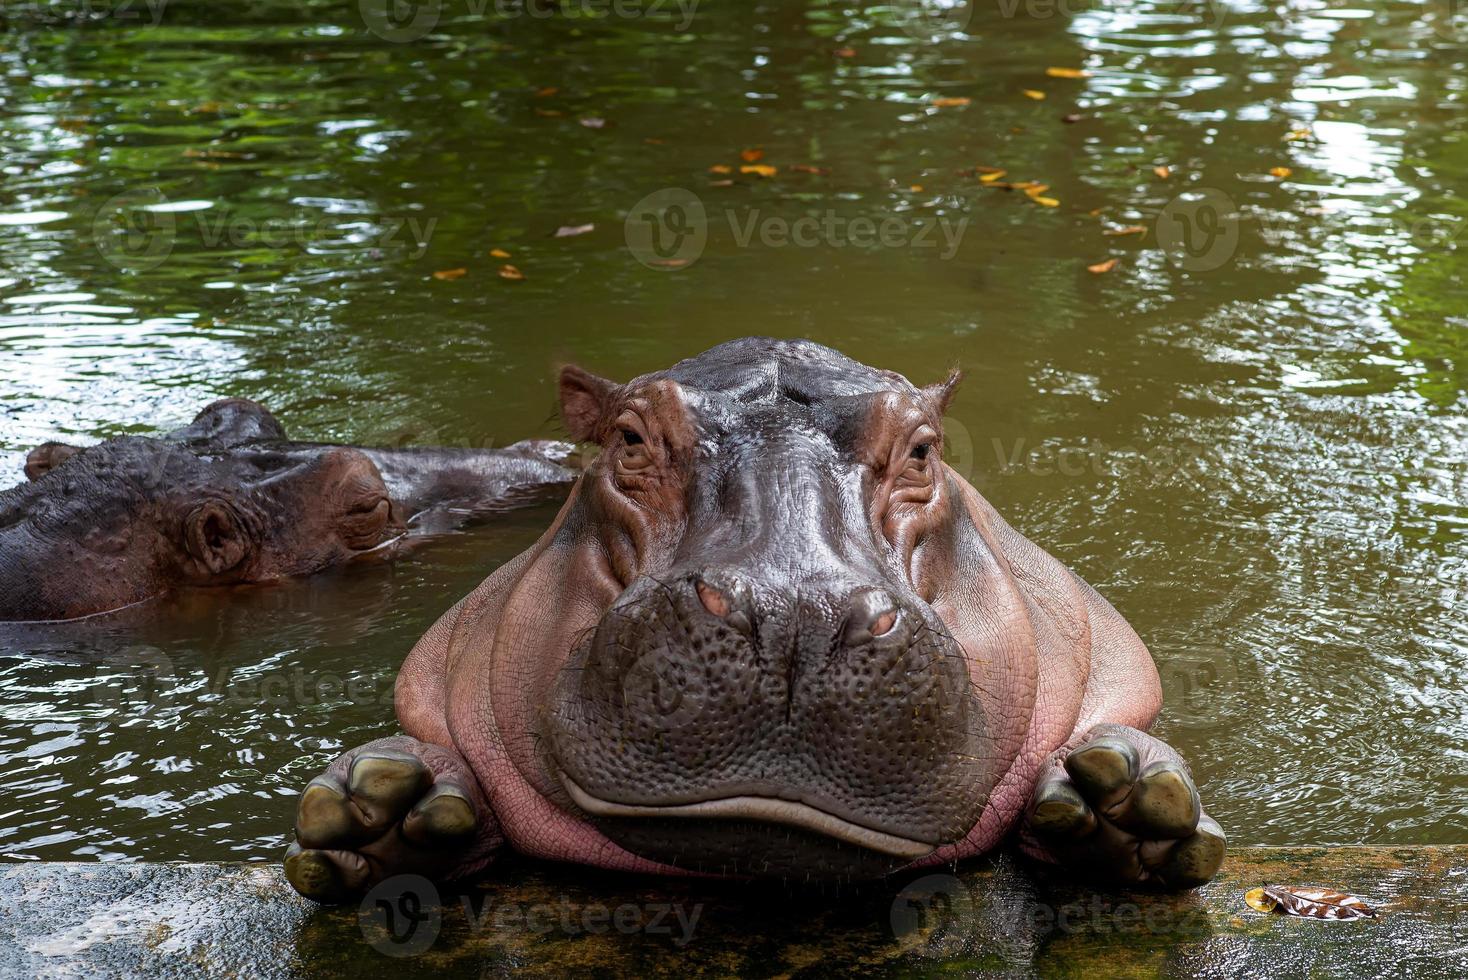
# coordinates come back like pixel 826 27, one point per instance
pixel 393 806
pixel 1122 807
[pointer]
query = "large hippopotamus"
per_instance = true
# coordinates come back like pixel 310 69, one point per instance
pixel 770 633
pixel 228 500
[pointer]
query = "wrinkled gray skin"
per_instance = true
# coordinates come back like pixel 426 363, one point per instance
pixel 770 633
pixel 229 500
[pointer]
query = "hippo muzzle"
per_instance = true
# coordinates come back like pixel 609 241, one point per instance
pixel 780 700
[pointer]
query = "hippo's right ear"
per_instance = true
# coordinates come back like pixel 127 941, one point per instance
pixel 46 457
pixel 584 400
pixel 213 536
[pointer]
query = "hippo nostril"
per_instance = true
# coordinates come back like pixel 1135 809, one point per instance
pixel 713 600
pixel 884 623
pixel 873 614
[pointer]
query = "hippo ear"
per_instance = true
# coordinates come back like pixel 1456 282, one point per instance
pixel 584 398
pixel 941 394
pixel 46 457
pixel 214 537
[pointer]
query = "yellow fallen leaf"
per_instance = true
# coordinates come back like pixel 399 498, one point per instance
pixel 752 155
pixel 1310 903
pixel 1048 202
pixel 1067 73
pixel 1034 93
pixel 1163 172
pixel 763 169
pixel 1128 230
pixel 949 102
pixel 450 273
pixel 915 188
pixel 510 272
pixel 1300 133
pixel 1280 172
pixel 1033 188
pixel 720 168
pixel 992 176
pixel 1100 268
pixel 845 52
pixel 806 168
pixel 989 170
pixel 499 253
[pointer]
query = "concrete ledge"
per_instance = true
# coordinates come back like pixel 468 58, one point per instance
pixel 993 918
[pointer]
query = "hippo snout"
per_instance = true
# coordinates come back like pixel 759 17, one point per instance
pixel 716 720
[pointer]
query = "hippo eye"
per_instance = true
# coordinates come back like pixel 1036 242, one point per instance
pixel 920 451
pixel 631 438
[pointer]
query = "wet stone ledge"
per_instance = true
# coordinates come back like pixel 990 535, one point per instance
pixel 997 918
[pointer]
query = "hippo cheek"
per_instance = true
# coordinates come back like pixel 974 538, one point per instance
pixel 748 740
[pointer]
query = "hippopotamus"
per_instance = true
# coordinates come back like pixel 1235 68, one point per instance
pixel 771 633
pixel 230 500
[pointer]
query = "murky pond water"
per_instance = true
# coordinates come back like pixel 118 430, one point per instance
pixel 1249 433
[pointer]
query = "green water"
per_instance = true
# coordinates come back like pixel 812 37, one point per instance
pixel 1249 434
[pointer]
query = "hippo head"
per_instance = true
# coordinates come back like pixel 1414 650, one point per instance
pixel 769 670
pixel 114 524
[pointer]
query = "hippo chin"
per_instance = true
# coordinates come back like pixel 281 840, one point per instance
pixel 230 500
pixel 771 633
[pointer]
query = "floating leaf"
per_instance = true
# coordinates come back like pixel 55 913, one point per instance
pixel 989 170
pixel 992 176
pixel 949 102
pixel 753 155
pixel 1032 187
pixel 669 263
pixel 1163 171
pixel 726 182
pixel 1048 202
pixel 1300 133
pixel 720 168
pixel 1067 73
pixel 499 253
pixel 1100 268
pixel 1033 93
pixel 592 122
pixel 655 141
pixel 547 91
pixel 508 271
pixel 568 231
pixel 762 169
pixel 845 52
pixel 446 274
pixel 1073 117
pixel 1309 903
pixel 805 168
pixel 1128 230
pixel 1280 172
pixel 915 188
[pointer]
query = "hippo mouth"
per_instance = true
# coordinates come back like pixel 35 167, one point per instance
pixel 759 810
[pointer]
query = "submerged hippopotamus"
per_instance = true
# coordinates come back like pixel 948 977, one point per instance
pixel 771 633
pixel 229 500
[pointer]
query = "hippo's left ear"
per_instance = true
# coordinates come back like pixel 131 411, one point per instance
pixel 46 457
pixel 584 398
pixel 214 537
pixel 941 394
